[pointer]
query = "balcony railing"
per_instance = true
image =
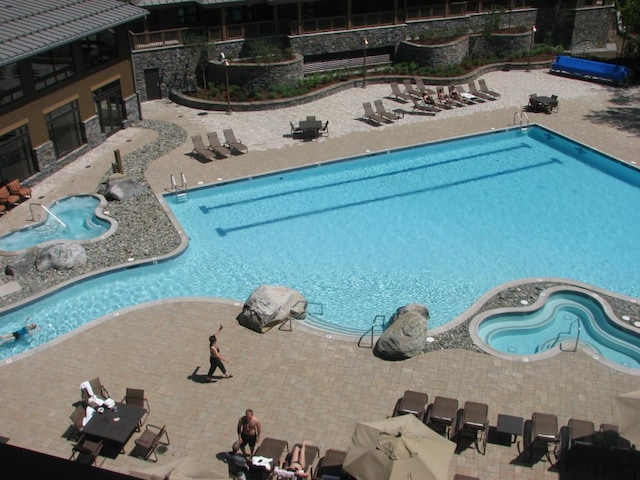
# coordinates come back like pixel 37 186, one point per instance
pixel 159 38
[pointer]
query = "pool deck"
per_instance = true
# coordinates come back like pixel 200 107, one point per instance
pixel 301 385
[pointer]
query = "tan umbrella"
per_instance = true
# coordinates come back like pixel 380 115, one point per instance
pixel 628 405
pixel 398 448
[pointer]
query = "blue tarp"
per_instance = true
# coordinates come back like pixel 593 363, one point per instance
pixel 591 69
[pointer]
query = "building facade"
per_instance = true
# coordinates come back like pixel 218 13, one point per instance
pixel 66 81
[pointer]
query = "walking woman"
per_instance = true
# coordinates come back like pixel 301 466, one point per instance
pixel 215 359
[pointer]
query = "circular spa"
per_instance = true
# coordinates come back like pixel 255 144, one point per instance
pixel 562 320
pixel 76 218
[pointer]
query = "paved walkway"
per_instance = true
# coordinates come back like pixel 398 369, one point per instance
pixel 300 385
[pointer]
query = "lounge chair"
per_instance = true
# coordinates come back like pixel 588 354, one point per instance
pixel 98 389
pixel 412 403
pixel 410 89
pixel 395 91
pixel 150 439
pixel 380 110
pixel 423 88
pixel 582 435
pixel 7 198
pixel 311 452
pixel 216 146
pixel 483 88
pixel 428 109
pixel 458 476
pixel 270 448
pixel 544 430
pixel 474 420
pixel 200 150
pixel 235 145
pixel 441 414
pixel 470 96
pixel 369 114
pixel 331 464
pixel 23 192
pixel 461 101
pixel 86 450
pixel 473 89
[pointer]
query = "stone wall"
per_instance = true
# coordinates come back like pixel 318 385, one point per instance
pixel 92 131
pixel 434 55
pixel 262 75
pixel 501 45
pixel 591 28
pixel 177 69
pixel 132 110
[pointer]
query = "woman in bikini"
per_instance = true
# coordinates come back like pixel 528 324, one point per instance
pixel 296 467
pixel 215 359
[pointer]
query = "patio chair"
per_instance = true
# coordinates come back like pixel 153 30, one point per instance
pixel 485 89
pixel 582 435
pixel 473 89
pixel 149 440
pixel 199 150
pixel 9 200
pixel 16 189
pixel 544 431
pixel 270 448
pixel 410 89
pixel 86 450
pixel 294 129
pixel 216 146
pixel 369 114
pixel 331 464
pixel 554 103
pixel 98 389
pixel 234 144
pixel 135 396
pixel 427 109
pixel 474 420
pixel 395 91
pixel 441 414
pixel 380 110
pixel 77 419
pixel 412 403
pixel 422 87
pixel 325 129
pixel 617 451
pixel 311 452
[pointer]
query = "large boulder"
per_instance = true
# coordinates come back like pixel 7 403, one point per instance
pixel 406 335
pixel 61 256
pixel 21 264
pixel 121 187
pixel 270 305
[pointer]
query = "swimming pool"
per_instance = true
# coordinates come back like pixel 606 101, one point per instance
pixel 72 218
pixel 560 318
pixel 438 224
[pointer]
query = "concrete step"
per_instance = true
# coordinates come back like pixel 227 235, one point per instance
pixel 353 62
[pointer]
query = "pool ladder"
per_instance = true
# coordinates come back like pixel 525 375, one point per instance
pixel 575 346
pixel 377 318
pixel 289 318
pixel 521 117
pixel 181 191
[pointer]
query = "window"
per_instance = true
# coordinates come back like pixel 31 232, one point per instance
pixel 187 15
pixel 52 67
pixel 16 160
pixel 10 84
pixel 65 129
pixel 99 48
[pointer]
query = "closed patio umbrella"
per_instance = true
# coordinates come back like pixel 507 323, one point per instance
pixel 398 448
pixel 628 406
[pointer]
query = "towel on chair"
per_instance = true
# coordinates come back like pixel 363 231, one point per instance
pixel 262 462
pixel 109 403
pixel 87 416
pixel 95 401
pixel 284 474
pixel 87 386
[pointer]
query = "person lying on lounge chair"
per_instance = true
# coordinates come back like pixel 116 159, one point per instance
pixel 427 99
pixel 443 97
pixel 296 467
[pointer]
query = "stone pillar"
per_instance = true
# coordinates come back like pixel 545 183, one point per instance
pixel 92 131
pixel 132 109
pixel 45 156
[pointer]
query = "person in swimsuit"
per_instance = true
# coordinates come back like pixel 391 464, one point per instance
pixel 26 329
pixel 215 359
pixel 249 430
pixel 296 465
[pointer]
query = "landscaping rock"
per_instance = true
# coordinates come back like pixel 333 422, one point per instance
pixel 407 334
pixel 21 264
pixel 123 188
pixel 269 305
pixel 61 256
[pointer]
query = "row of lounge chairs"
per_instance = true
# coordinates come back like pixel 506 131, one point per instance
pixel 380 115
pixel 217 149
pixel 12 194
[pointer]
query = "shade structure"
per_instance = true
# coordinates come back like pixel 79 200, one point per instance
pixel 398 448
pixel 628 406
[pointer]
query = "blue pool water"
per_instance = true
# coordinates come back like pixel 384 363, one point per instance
pixel 78 213
pixel 439 224
pixel 557 321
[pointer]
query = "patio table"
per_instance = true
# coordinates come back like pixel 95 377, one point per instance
pixel 115 425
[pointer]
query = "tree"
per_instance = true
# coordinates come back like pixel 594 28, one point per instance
pixel 629 11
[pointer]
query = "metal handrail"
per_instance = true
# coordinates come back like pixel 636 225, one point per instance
pixel 290 318
pixel 373 326
pixel 33 217
pixel 521 116
pixel 575 346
